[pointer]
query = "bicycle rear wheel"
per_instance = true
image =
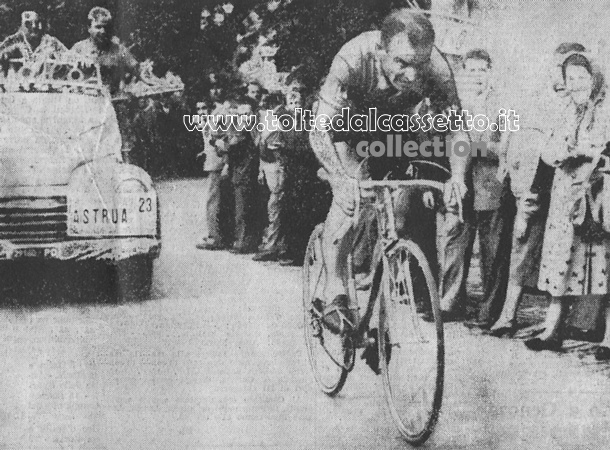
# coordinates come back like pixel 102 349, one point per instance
pixel 411 351
pixel 330 356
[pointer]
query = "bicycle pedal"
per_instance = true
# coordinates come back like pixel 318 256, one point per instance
pixel 316 329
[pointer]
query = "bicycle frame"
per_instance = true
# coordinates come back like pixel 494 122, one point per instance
pixel 400 344
pixel 387 235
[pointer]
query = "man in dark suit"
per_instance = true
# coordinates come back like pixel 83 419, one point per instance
pixel 243 172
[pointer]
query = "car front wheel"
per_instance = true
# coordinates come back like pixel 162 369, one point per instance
pixel 133 277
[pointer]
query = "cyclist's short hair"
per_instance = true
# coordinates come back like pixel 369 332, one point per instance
pixel 418 28
pixel 478 53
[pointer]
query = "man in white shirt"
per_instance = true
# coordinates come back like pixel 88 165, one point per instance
pixel 213 166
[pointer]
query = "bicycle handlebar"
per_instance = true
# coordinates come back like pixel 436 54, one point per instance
pixel 371 185
pixel 394 184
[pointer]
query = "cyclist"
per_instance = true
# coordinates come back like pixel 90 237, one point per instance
pixel 397 70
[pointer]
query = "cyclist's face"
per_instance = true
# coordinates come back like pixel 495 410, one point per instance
pixel 403 63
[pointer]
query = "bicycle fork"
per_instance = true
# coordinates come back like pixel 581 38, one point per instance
pixel 401 282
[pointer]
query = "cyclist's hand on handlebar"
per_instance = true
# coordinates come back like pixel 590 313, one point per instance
pixel 454 187
pixel 460 186
pixel 452 223
pixel 428 199
pixel 520 228
pixel 345 190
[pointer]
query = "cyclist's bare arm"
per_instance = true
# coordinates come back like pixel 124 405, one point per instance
pixel 326 153
pixel 344 187
pixel 334 157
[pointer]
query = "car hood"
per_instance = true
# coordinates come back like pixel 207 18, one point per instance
pixel 44 137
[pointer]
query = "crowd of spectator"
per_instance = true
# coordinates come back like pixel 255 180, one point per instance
pixel 262 194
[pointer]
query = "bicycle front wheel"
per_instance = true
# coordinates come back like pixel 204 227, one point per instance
pixel 330 355
pixel 411 350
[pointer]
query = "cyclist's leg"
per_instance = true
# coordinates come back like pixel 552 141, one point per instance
pixel 335 252
pixel 416 222
pixel 364 240
pixel 336 249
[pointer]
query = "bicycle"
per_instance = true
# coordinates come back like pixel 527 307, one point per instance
pixel 401 335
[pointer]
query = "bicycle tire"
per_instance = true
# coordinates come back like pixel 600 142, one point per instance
pixel 315 332
pixel 397 299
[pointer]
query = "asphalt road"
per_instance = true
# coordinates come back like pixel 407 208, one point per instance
pixel 216 359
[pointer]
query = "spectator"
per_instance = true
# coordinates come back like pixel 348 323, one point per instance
pixel 488 211
pixel 254 92
pixel 30 40
pixel 213 165
pixel 307 198
pixel 564 50
pixel 574 264
pixel 179 147
pixel 147 139
pixel 117 66
pixel 243 169
pixel 272 146
pixel 531 180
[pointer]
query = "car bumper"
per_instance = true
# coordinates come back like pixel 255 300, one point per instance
pixel 114 249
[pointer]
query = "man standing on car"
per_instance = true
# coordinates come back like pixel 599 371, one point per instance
pixel 394 69
pixel 117 66
pixel 30 40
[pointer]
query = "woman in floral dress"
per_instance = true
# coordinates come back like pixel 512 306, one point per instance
pixel 570 266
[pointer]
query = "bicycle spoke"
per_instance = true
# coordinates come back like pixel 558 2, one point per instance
pixel 406 283
pixel 330 357
pixel 418 400
pixel 411 351
pixel 410 291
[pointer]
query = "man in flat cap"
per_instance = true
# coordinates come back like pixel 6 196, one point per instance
pixel 30 40
pixel 117 65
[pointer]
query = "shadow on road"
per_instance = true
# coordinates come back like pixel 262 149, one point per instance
pixel 40 284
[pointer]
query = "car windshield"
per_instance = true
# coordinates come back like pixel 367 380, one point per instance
pixel 60 96
pixel 56 105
